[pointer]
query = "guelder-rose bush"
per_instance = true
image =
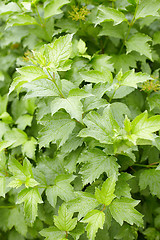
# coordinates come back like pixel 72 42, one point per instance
pixel 79 119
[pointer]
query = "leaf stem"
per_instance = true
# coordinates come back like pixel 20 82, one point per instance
pixel 40 19
pixel 146 166
pixel 113 6
pixel 114 93
pixel 53 80
pixel 104 207
pixel 154 163
pixel 11 206
pixel 126 37
pixel 129 29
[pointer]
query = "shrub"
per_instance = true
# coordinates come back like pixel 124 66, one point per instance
pixel 79 119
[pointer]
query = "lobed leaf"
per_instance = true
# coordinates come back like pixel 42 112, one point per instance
pixel 150 177
pixel 147 8
pixel 64 220
pixel 95 220
pixel 138 43
pixel 54 7
pixel 109 14
pixel 96 162
pixel 55 129
pixel 123 210
pixel 61 188
pixel 52 233
pixel 100 127
pixel 106 194
pixel 31 198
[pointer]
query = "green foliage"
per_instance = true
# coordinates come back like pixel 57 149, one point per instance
pixel 79 119
pixel 95 220
pixel 106 194
pixel 123 210
pixel 64 220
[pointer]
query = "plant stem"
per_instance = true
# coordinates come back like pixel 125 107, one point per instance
pixel 126 37
pixel 129 29
pixel 146 166
pixel 53 79
pixel 113 93
pixel 154 163
pixel 40 19
pixel 19 5
pixel 8 206
pixel 104 207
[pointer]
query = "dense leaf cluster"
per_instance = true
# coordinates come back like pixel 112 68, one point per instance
pixel 79 119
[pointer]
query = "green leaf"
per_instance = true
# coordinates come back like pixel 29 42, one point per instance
pixel 100 127
pixel 72 143
pixel 82 46
pixel 156 38
pixel 31 73
pixel 123 210
pixel 28 74
pixel 122 187
pixel 61 188
pixel 124 62
pixel 21 19
pixel 143 127
pixel 109 14
pixel 19 223
pixel 2 186
pixel 154 100
pixel 16 168
pixel 95 163
pixel 95 220
pixel 78 231
pixel 70 161
pixel 53 8
pixel 150 177
pixel 21 174
pixel 31 198
pixel 15 137
pixel 27 6
pixel 102 62
pixel 138 43
pixel 41 88
pixel 3 103
pixel 55 129
pixel 9 8
pixel 119 110
pixel 151 233
pixel 53 233
pixel 59 52
pixel 118 31
pixel 131 78
pixel 6 118
pixel 147 8
pixel 29 148
pixel 3 129
pixel 92 103
pixel 23 121
pixel 106 194
pixel 95 76
pixel 87 200
pixel 127 232
pixel 2 160
pixel 64 220
pixel 72 105
pixel 4 145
